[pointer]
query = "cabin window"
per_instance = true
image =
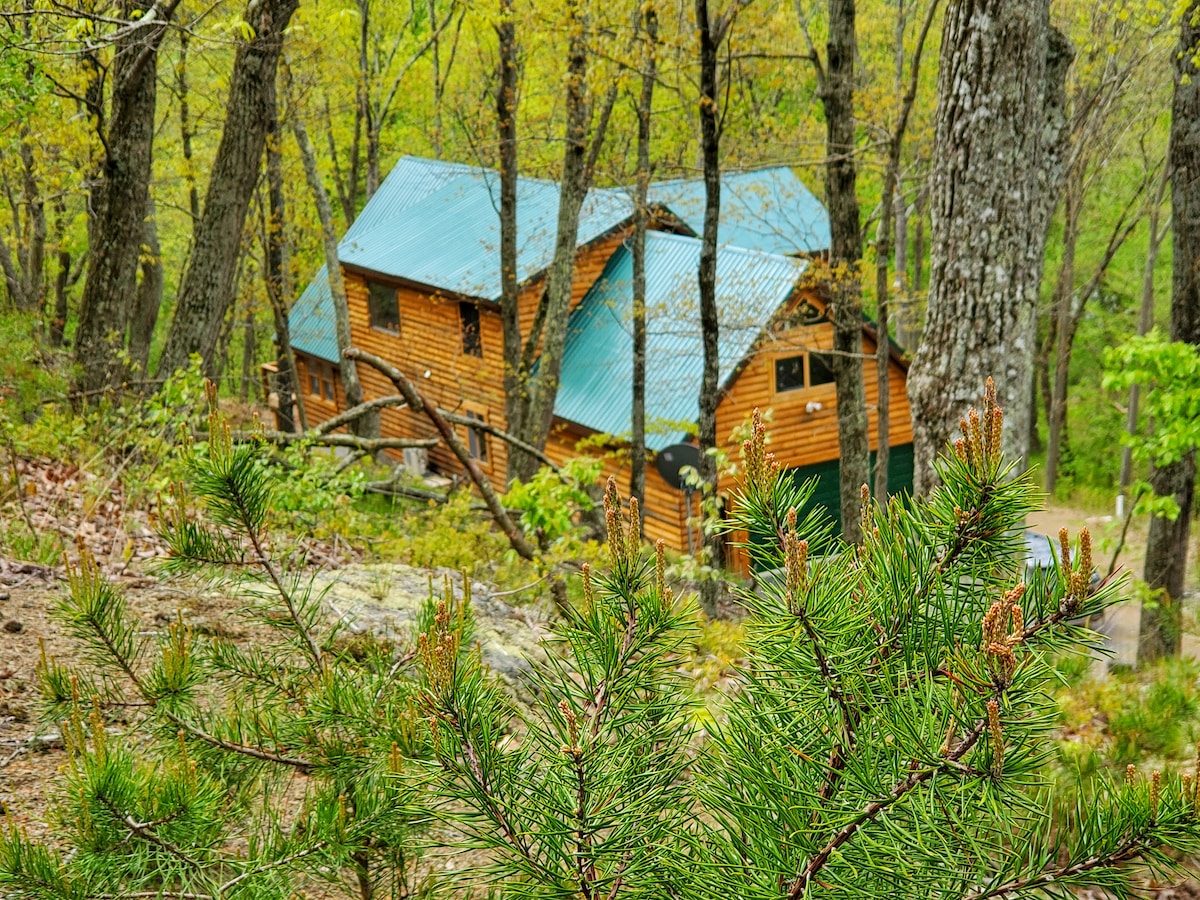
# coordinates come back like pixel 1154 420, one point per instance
pixel 789 374
pixel 320 379
pixel 819 369
pixel 476 438
pixel 468 314
pixel 383 305
pixel 804 370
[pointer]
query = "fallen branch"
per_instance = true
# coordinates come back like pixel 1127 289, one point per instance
pixel 417 403
pixel 367 445
pixel 502 435
pixel 357 412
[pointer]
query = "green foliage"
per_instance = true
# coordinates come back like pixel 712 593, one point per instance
pixel 551 501
pixel 889 730
pixel 890 733
pixel 592 797
pixel 1169 371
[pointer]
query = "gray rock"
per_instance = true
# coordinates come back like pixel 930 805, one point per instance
pixel 386 599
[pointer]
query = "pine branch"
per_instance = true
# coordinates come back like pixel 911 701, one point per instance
pixel 875 807
pixel 1131 848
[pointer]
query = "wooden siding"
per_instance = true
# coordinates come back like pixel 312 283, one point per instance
pixel 318 409
pixel 803 423
pixel 429 349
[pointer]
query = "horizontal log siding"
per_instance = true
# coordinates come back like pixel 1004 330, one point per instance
pixel 799 437
pixel 664 515
pixel 430 340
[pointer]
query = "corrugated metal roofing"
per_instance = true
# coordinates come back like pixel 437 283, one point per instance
pixel 411 180
pixel 594 387
pixel 450 239
pixel 769 210
pixel 312 327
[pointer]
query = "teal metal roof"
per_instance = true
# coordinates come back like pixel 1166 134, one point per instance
pixel 594 387
pixel 769 210
pixel 312 327
pixel 450 239
pixel 411 180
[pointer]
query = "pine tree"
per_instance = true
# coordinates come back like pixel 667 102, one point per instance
pixel 209 734
pixel 890 734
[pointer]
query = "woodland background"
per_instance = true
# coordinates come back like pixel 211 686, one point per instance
pixel 372 81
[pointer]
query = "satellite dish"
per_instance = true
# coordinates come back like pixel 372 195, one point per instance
pixel 670 462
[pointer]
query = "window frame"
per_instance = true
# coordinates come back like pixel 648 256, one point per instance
pixel 321 380
pixel 472 338
pixel 373 296
pixel 477 438
pixel 806 357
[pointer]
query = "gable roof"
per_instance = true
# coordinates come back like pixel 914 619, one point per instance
pixel 311 320
pixel 594 385
pixel 767 209
pixel 450 238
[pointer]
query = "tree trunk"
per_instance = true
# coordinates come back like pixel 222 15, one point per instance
pixel 845 290
pixel 278 284
pixel 637 476
pixel 148 300
pixel 1156 234
pixel 573 188
pixel 579 163
pixel 185 130
pixel 994 186
pixel 206 291
pixel 1167 545
pixel 507 98
pixel 710 146
pixel 891 182
pixel 367 425
pixel 120 203
pixel 1057 338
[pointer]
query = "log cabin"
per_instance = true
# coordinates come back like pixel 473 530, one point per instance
pixel 422 274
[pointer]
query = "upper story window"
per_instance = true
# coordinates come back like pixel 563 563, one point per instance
pixel 472 344
pixel 804 370
pixel 383 307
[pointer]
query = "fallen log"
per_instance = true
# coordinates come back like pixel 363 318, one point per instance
pixel 516 537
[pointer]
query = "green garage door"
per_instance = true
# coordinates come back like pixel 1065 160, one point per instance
pixel 900 479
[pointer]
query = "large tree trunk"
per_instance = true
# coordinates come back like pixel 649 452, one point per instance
pixel 1166 548
pixel 206 291
pixel 637 475
pixel 845 291
pixel 998 135
pixel 120 205
pixel 710 138
pixel 367 425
